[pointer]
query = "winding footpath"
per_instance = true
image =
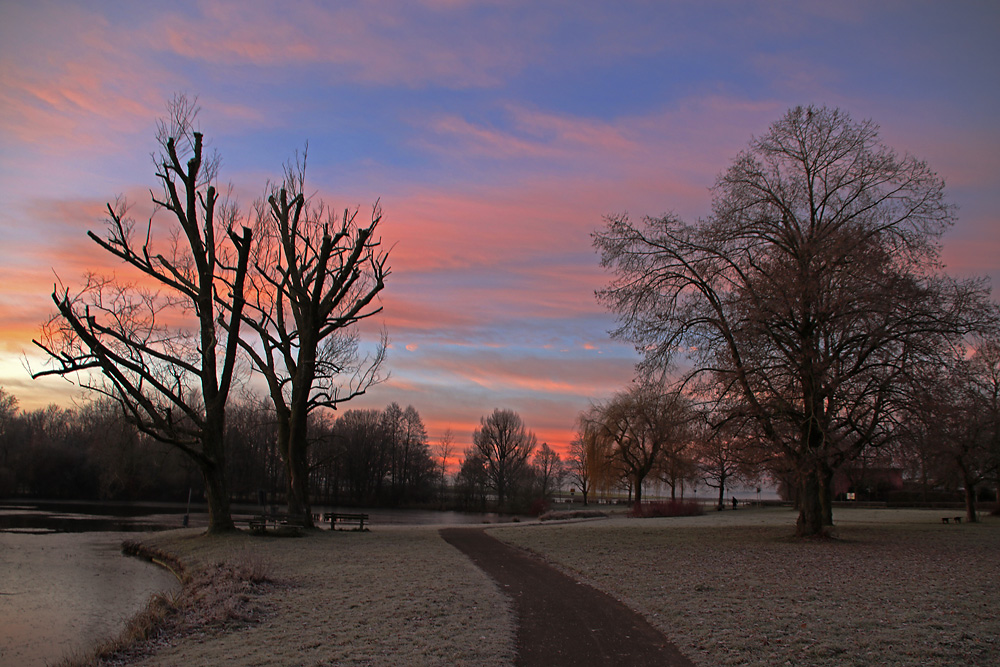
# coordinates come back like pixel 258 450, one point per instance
pixel 561 621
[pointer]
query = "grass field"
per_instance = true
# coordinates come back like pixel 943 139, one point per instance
pixel 896 587
pixel 392 596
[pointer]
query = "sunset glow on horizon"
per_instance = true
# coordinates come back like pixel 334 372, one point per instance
pixel 495 136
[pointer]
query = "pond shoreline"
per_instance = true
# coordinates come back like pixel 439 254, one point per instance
pixel 63 592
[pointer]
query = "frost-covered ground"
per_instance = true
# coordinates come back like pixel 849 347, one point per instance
pixel 733 588
pixel 896 587
pixel 392 596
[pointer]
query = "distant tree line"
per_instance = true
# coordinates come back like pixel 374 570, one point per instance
pixel 92 451
pixel 945 448
pixel 88 452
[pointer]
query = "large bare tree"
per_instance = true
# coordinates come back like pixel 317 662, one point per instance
pixel 164 356
pixel 807 293
pixel 315 275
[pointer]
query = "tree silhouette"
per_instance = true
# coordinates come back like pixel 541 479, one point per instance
pixel 314 278
pixel 172 381
pixel 805 297
pixel 505 444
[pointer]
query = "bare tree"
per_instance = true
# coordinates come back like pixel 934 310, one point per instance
pixel 444 450
pixel 505 444
pixel 8 415
pixel 409 454
pixel 588 463
pixel 548 469
pixel 365 454
pixel 955 408
pixel 472 479
pixel 677 460
pixel 723 455
pixel 8 411
pixel 636 425
pixel 805 296
pixel 173 382
pixel 985 369
pixel 315 275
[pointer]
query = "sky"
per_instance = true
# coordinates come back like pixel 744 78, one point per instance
pixel 496 135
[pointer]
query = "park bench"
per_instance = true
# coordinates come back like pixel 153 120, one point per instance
pixel 258 523
pixel 957 519
pixel 345 517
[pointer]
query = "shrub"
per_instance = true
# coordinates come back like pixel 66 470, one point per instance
pixel 668 508
pixel 539 506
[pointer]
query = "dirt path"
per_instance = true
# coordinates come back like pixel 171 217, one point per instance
pixel 561 621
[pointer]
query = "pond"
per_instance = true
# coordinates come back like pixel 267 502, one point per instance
pixel 62 592
pixel 64 585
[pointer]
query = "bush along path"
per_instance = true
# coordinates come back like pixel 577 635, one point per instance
pixel 561 621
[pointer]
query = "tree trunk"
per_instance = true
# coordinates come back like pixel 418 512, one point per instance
pixel 970 496
pixel 825 478
pixel 970 504
pixel 294 445
pixel 220 520
pixel 996 493
pixel 297 470
pixel 212 464
pixel 722 496
pixel 811 516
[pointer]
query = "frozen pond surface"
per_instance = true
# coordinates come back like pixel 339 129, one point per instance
pixel 64 592
pixel 65 587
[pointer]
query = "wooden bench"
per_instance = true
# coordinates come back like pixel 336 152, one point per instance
pixel 345 517
pixel 258 523
pixel 957 519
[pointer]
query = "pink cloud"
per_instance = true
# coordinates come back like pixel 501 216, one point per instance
pixel 387 43
pixel 83 84
pixel 534 134
pixel 87 89
pixel 972 257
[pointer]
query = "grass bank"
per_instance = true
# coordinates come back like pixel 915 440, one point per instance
pixel 896 587
pixel 392 596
